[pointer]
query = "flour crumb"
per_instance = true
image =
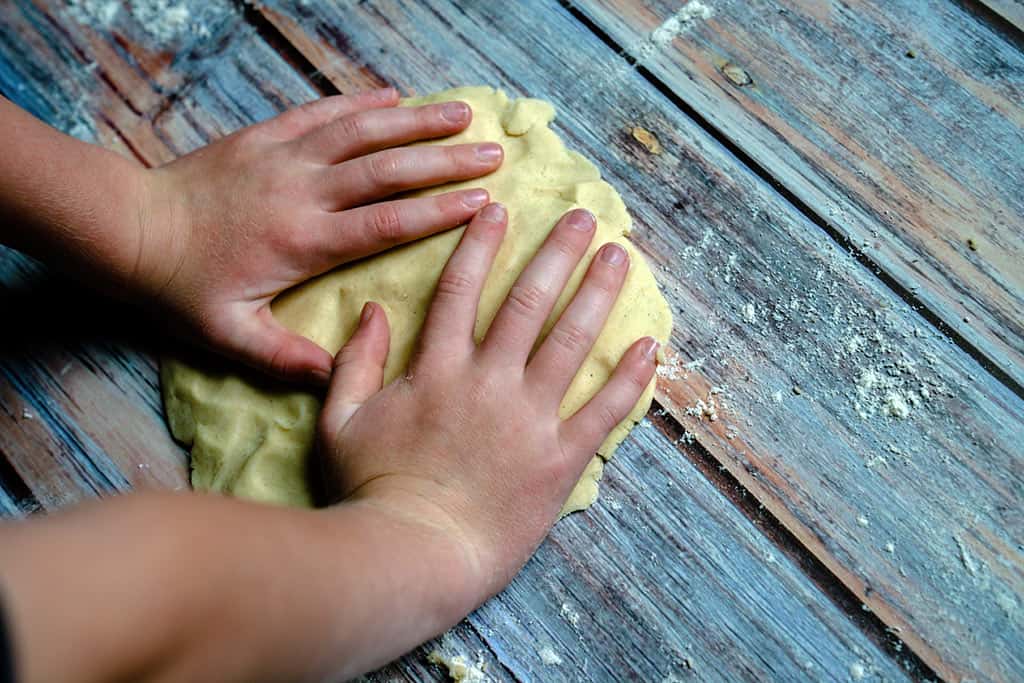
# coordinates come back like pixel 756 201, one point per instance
pixel 965 557
pixel 459 668
pixel 749 313
pixel 549 657
pixel 857 671
pixel 679 22
pixel 96 13
pixel 863 521
pixel 896 405
pixel 570 615
pixel 890 547
pixel 26 414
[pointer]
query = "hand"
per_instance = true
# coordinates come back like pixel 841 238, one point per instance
pixel 470 441
pixel 227 228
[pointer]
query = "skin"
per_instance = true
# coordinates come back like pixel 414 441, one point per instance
pixel 444 482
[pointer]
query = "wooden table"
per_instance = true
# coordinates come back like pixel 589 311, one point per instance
pixel 831 194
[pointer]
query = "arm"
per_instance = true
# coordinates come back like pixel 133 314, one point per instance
pixel 68 202
pixel 169 587
pixel 447 481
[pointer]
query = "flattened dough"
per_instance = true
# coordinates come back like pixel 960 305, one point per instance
pixel 252 439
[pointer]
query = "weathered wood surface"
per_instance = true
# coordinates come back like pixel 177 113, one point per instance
pixel 1010 10
pixel 900 124
pixel 918 512
pixel 729 604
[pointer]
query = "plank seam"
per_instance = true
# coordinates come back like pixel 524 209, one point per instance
pixel 802 207
pixel 782 538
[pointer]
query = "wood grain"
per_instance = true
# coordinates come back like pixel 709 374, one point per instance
pixel 1010 10
pixel 708 597
pixel 919 516
pixel 897 123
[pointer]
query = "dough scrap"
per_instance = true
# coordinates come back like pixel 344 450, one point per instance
pixel 252 438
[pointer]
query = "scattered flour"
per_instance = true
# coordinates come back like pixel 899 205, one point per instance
pixel 679 22
pixel 570 615
pixel 749 313
pixel 165 21
pixel 673 27
pixel 549 657
pixel 857 671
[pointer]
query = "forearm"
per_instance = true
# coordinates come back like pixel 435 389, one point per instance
pixel 164 587
pixel 72 204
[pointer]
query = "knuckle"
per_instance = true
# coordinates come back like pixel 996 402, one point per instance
pixel 638 380
pixel 279 362
pixel 526 298
pixel 352 128
pixel 571 337
pixel 608 418
pixel 386 223
pixel 454 157
pixel 384 169
pixel 455 284
pixel 564 245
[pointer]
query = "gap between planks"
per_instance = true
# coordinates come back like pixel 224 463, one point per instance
pixel 744 499
pixel 802 207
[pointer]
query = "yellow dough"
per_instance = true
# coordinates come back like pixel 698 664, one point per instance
pixel 252 438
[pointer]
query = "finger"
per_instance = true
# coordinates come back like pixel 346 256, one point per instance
pixel 560 356
pixel 592 423
pixel 452 315
pixel 267 345
pixel 382 174
pixel 310 116
pixel 369 131
pixel 358 369
pixel 367 230
pixel 529 303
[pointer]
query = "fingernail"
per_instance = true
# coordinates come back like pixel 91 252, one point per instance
pixel 384 93
pixel 321 376
pixel 455 112
pixel 475 198
pixel 581 219
pixel 613 254
pixel 489 152
pixel 650 348
pixel 495 213
pixel 367 313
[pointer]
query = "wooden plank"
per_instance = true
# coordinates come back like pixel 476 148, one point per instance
pixel 1010 10
pixel 917 513
pixel 685 558
pixel 898 123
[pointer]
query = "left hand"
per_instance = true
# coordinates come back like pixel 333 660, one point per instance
pixel 227 228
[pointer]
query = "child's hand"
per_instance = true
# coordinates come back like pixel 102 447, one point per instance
pixel 470 442
pixel 228 227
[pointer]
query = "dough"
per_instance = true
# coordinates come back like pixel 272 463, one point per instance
pixel 252 438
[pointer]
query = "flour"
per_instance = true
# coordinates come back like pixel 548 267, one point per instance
pixel 676 25
pixel 164 21
pixel 549 657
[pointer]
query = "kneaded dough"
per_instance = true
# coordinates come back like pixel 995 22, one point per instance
pixel 252 438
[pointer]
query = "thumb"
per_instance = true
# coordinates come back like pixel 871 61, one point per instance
pixel 269 346
pixel 358 369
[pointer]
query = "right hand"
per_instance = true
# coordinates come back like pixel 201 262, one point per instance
pixel 470 442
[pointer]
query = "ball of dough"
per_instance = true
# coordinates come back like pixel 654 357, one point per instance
pixel 252 438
